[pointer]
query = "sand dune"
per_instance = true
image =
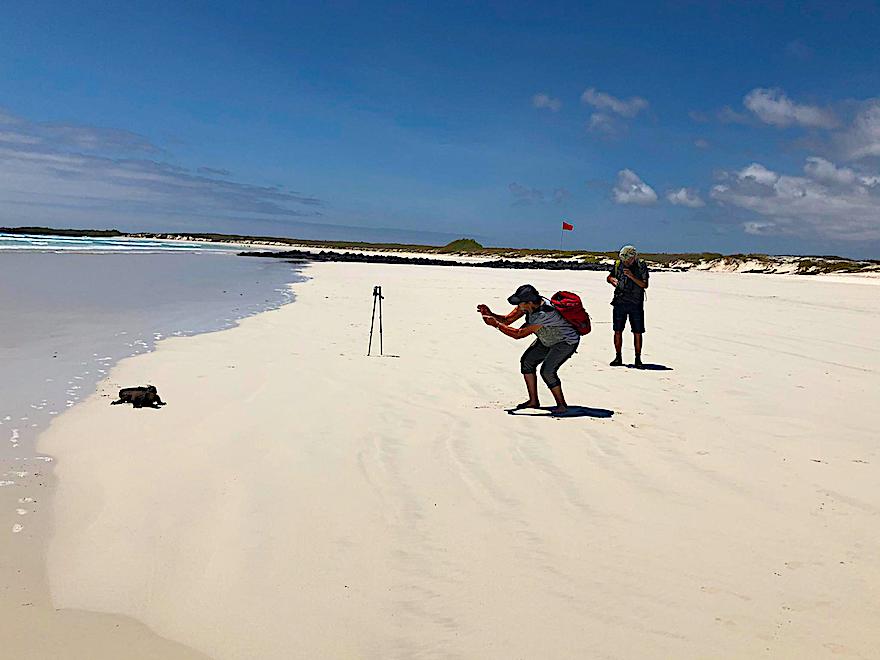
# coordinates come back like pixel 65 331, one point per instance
pixel 296 499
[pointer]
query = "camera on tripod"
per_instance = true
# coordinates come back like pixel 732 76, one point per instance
pixel 377 302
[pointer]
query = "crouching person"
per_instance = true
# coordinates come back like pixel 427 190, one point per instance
pixel 556 341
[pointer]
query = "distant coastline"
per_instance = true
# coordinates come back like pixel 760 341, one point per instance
pixel 475 254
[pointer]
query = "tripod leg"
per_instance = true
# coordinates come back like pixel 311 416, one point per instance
pixel 381 348
pixel 372 321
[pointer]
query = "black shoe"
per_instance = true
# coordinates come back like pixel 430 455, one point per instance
pixel 616 362
pixel 638 363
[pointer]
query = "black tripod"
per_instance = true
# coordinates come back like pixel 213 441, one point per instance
pixel 377 297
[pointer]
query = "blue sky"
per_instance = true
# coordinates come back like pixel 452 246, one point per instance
pixel 676 126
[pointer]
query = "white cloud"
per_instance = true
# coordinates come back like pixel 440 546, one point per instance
pixel 81 137
pixel 603 123
pixel 862 139
pixel 39 177
pixel 70 172
pixel 759 228
pixel 544 101
pixel 757 173
pixel 15 137
pixel 685 197
pixel 830 202
pixel 773 107
pixel 825 171
pixel 612 112
pixel 630 189
pixel 605 102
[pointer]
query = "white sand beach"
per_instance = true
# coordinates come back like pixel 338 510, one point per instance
pixel 298 499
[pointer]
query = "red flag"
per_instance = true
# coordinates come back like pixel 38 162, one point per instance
pixel 566 226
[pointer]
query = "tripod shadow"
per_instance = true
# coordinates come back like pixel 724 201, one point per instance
pixel 573 411
pixel 647 366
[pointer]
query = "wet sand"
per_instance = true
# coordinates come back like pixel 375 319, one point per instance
pixel 66 319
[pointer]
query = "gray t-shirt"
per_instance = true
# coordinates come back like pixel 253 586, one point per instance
pixel 554 328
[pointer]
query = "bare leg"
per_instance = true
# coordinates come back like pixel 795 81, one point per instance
pixel 561 405
pixel 618 347
pixel 532 387
pixel 637 342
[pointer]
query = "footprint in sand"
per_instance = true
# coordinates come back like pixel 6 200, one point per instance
pixel 16 528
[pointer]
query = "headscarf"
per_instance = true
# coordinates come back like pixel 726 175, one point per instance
pixel 628 252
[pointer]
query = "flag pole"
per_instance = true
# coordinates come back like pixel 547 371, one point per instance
pixel 561 234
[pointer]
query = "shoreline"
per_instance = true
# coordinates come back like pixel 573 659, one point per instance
pixel 282 515
pixel 85 354
pixel 69 307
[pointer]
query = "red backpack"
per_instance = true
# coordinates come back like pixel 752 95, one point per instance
pixel 569 306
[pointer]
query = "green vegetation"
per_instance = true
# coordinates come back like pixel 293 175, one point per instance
pixel 48 231
pixel 461 245
pixel 687 257
pixel 821 266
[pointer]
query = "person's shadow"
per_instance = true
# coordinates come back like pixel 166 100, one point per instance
pixel 647 366
pixel 573 411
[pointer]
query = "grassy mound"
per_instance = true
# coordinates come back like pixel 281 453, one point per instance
pixel 462 245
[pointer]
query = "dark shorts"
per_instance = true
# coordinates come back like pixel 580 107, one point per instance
pixel 552 358
pixel 635 313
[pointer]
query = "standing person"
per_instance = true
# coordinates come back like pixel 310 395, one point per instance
pixel 556 341
pixel 629 277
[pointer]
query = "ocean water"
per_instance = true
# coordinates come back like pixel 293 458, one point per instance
pixel 66 316
pixel 39 243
